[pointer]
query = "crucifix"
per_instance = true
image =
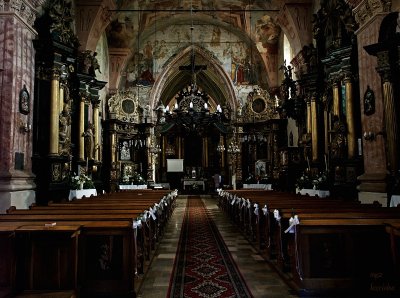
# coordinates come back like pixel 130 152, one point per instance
pixel 193 68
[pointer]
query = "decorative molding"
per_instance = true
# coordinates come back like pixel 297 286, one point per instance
pixel 369 8
pixel 23 9
pixel 259 106
pixel 124 106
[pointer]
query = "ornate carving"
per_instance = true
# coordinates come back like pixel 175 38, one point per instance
pixel 339 140
pixel 259 106
pixel 368 8
pixel 62 17
pixel 124 106
pixel 22 8
pixel 65 125
pixel 88 63
pixel 334 24
pixel 56 172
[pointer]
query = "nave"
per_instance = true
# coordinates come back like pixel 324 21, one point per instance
pixel 260 278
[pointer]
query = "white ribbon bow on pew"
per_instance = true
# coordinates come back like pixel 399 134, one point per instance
pixel 137 224
pixel 256 209
pixel 243 203
pixel 265 210
pixel 151 211
pixel 277 215
pixel 292 222
pixel 248 203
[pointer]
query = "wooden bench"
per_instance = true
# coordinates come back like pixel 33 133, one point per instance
pixel 108 248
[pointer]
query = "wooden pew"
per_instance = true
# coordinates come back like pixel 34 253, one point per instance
pixel 102 225
pixel 40 256
pixel 291 254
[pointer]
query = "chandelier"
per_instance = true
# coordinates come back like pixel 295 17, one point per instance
pixel 170 150
pixel 233 148
pixel 221 146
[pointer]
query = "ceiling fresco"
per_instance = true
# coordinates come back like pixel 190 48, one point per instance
pixel 239 35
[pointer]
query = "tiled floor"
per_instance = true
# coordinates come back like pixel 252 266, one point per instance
pixel 261 279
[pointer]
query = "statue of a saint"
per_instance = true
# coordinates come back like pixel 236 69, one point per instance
pixel 339 140
pixel 125 151
pixel 89 143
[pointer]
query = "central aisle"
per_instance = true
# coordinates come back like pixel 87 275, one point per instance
pixel 260 278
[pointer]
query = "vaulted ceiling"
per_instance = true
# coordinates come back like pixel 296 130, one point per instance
pixel 134 23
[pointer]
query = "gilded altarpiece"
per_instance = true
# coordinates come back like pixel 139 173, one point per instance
pixel 127 140
pixel 65 97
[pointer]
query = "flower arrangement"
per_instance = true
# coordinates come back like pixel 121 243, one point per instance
pixel 135 178
pixel 320 181
pixel 317 182
pixel 81 181
pixel 304 181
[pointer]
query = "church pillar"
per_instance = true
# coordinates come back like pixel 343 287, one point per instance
pixel 351 135
pixel 113 141
pixel 54 113
pixel 179 139
pixel 164 147
pixel 81 129
pixel 314 125
pixel 391 125
pixel 373 182
pixel 309 117
pixel 16 126
pixel 336 99
pixel 205 152
pixel 96 129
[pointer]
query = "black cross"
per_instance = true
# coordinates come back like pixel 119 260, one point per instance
pixel 192 66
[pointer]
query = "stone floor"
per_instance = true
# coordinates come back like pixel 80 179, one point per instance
pixel 262 280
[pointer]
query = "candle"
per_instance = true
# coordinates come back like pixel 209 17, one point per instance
pixel 308 163
pixel 326 163
pixel 87 165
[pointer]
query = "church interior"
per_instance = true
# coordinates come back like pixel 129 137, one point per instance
pixel 278 117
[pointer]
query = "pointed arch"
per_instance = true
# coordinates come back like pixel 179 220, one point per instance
pixel 215 74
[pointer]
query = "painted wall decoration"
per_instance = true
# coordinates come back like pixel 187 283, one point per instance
pixel 154 53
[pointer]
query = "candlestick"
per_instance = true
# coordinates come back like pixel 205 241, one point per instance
pixel 87 165
pixel 326 163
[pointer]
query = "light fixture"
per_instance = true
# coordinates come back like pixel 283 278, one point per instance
pixel 221 146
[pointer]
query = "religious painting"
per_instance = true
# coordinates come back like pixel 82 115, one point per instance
pixel 125 150
pixel 120 33
pixel 261 168
pixel 369 102
pixel 24 101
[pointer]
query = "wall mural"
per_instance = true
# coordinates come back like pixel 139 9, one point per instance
pixel 154 53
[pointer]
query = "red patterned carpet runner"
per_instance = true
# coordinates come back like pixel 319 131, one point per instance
pixel 203 265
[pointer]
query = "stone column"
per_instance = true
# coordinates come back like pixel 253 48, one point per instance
pixel 164 147
pixel 54 113
pixel 314 125
pixel 82 129
pixel 17 62
pixel 205 152
pixel 336 99
pixel 179 140
pixel 96 128
pixel 309 121
pixel 390 123
pixel 351 135
pixel 113 142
